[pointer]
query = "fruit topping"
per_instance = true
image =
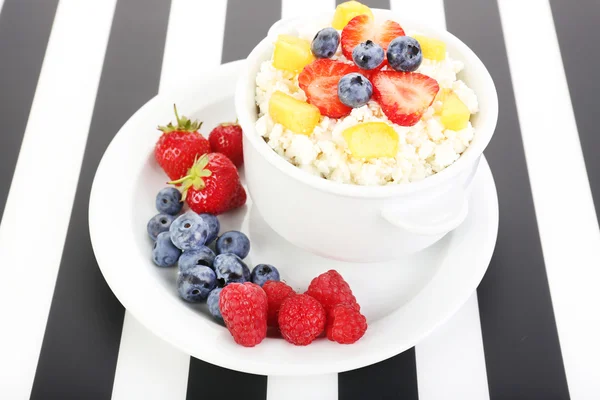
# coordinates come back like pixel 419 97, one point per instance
pixel 164 253
pixel 276 292
pixel 158 224
pixel 196 283
pixel 214 226
pixel 295 115
pixel 211 184
pixel 213 303
pixel 244 310
pixel 433 49
pixel 404 96
pixel 454 114
pixel 263 273
pixel 227 139
pixel 345 324
pixel 325 43
pixel 189 231
pixel 354 90
pixel 230 268
pixel 233 242
pixel 319 80
pixel 363 28
pixel 330 289
pixel 344 12
pixel 291 53
pixel 301 319
pixel 168 201
pixel 179 145
pixel 368 55
pixel 372 140
pixel 404 54
pixel 193 258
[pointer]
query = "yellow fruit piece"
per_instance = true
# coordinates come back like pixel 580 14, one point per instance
pixel 433 49
pixel 292 53
pixel 372 140
pixel 348 10
pixel 294 114
pixel 454 113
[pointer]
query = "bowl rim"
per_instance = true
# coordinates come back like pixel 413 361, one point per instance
pixel 484 129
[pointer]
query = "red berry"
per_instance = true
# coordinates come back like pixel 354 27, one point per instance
pixel 404 96
pixel 276 292
pixel 179 146
pixel 330 289
pixel 362 28
pixel 244 310
pixel 319 80
pixel 345 324
pixel 212 185
pixel 301 319
pixel 227 139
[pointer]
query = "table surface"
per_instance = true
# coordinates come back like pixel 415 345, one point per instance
pixel 72 72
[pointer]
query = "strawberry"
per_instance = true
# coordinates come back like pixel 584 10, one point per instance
pixel 212 185
pixel 319 80
pixel 404 96
pixel 362 28
pixel 178 146
pixel 227 139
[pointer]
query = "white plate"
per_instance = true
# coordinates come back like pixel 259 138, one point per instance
pixel 403 300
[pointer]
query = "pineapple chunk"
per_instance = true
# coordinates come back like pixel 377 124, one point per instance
pixel 433 49
pixel 454 114
pixel 372 140
pixel 294 114
pixel 348 10
pixel 292 53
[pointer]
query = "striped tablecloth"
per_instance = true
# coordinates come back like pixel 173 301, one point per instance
pixel 73 71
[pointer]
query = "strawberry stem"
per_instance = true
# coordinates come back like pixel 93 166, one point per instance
pixel 184 124
pixel 194 177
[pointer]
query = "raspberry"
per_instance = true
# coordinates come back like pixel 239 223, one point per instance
pixel 345 324
pixel 301 319
pixel 330 289
pixel 244 310
pixel 276 292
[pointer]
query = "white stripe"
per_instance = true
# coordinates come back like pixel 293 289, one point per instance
pixel 48 164
pixel 1 4
pixel 450 362
pixel 297 8
pixel 314 387
pixel 564 208
pixel 193 47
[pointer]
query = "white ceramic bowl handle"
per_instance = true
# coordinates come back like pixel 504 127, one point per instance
pixel 435 218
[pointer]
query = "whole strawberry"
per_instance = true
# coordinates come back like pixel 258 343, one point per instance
pixel 301 319
pixel 345 324
pixel 277 292
pixel 244 310
pixel 212 185
pixel 227 139
pixel 330 289
pixel 178 146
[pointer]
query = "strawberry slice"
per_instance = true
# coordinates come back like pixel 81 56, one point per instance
pixel 362 28
pixel 319 80
pixel 404 96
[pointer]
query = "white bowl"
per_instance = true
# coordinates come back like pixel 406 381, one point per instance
pixel 351 222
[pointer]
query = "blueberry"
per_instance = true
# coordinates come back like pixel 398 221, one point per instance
pixel 404 54
pixel 354 90
pixel 230 268
pixel 233 242
pixel 368 55
pixel 213 227
pixel 158 224
pixel 213 303
pixel 164 253
pixel 325 43
pixel 168 201
pixel 196 283
pixel 264 272
pixel 189 259
pixel 189 231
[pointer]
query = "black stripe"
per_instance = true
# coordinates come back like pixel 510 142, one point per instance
pixel 240 37
pixel 24 31
pixel 81 342
pixel 395 378
pixel 522 351
pixel 577 30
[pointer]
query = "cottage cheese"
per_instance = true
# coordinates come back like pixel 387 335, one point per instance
pixel 424 149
